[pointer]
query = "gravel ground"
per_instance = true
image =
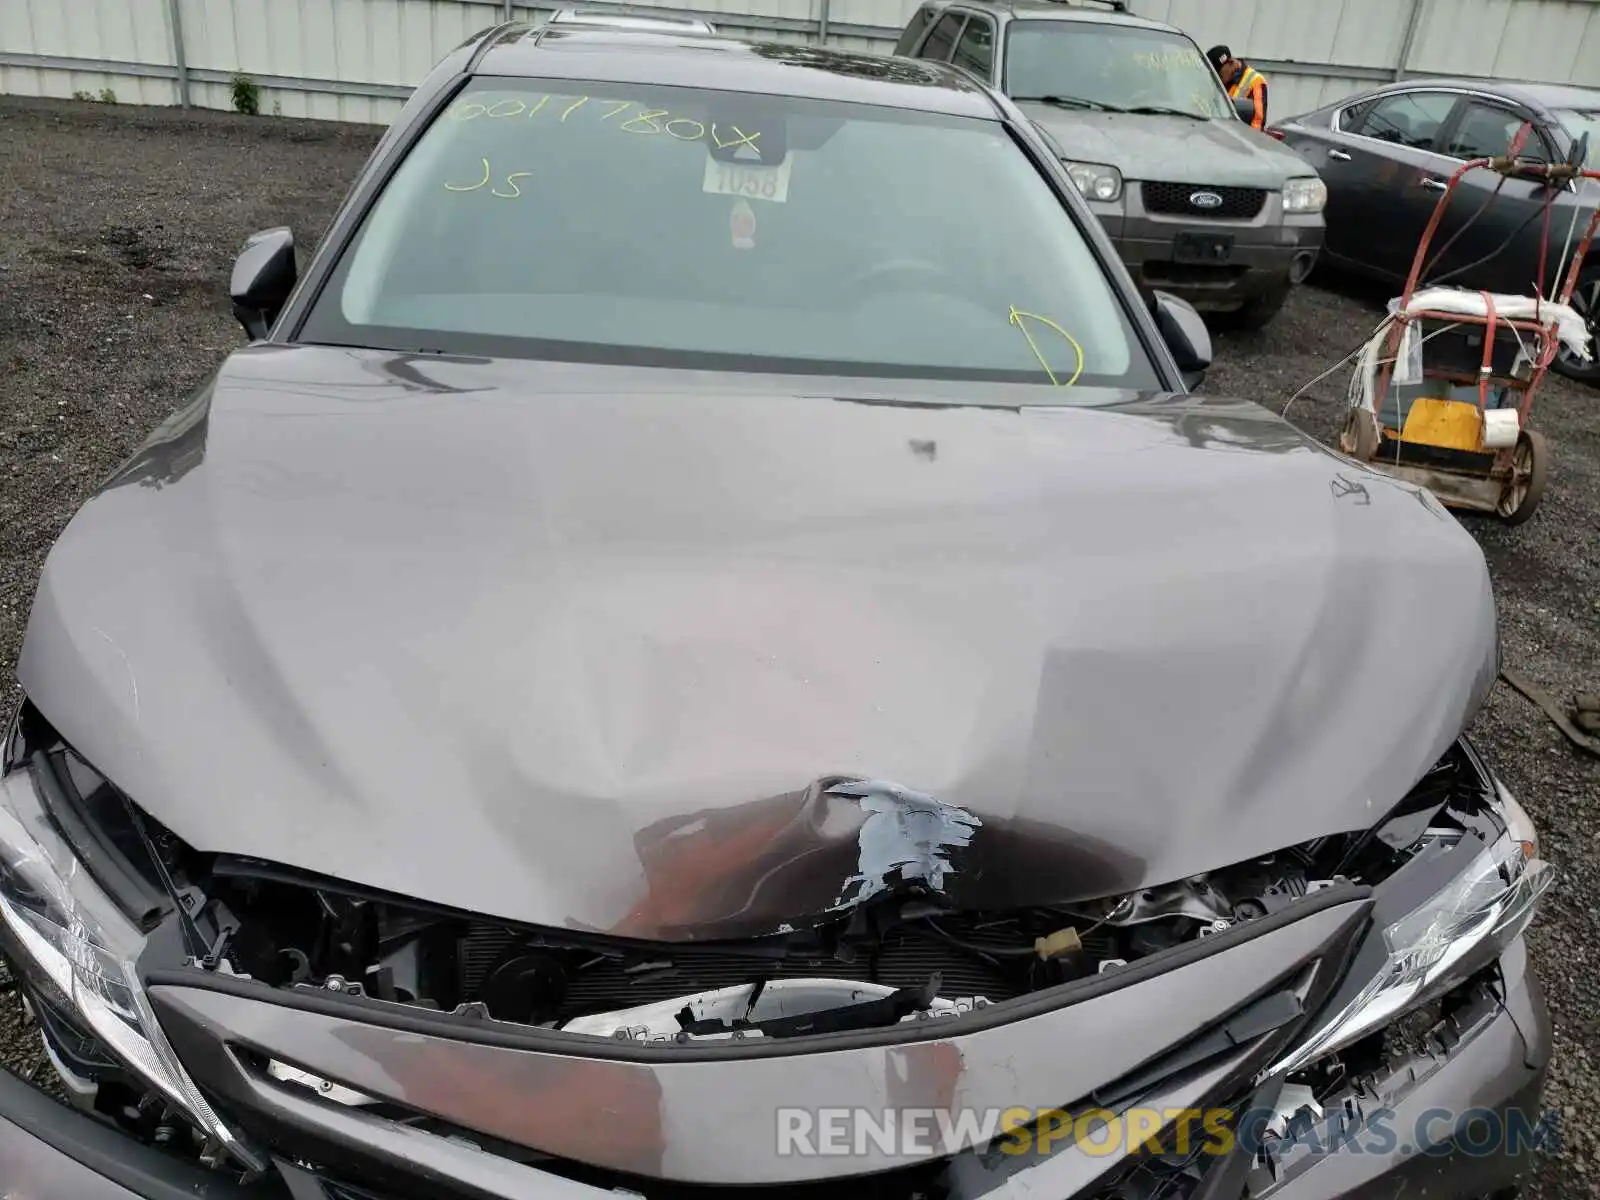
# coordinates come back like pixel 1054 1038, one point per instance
pixel 117 230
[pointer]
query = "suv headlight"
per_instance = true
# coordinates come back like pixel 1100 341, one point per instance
pixel 76 946
pixel 1462 928
pixel 1095 180
pixel 1305 195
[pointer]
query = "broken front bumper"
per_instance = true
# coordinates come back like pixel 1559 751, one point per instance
pixel 681 1121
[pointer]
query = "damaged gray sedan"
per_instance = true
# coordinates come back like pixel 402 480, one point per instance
pixel 707 648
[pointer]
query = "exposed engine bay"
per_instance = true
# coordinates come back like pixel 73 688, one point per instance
pixel 899 961
pixel 892 959
pixel 900 952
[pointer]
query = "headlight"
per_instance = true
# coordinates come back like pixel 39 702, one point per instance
pixel 1305 195
pixel 1459 931
pixel 76 946
pixel 1095 180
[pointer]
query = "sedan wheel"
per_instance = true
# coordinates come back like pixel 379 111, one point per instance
pixel 1586 299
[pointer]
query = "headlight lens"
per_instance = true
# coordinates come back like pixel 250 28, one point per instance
pixel 1095 180
pixel 76 946
pixel 1305 195
pixel 1459 931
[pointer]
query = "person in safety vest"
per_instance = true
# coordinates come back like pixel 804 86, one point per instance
pixel 1241 79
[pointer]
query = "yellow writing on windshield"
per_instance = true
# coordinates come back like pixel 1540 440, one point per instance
pixel 644 120
pixel 1167 60
pixel 1017 317
pixel 506 189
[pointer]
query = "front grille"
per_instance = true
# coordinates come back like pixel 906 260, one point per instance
pixel 1238 203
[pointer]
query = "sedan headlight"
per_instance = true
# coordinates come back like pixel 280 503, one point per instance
pixel 74 945
pixel 1305 195
pixel 1463 928
pixel 1095 180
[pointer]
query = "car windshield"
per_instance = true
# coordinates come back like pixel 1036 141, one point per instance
pixel 1577 123
pixel 679 227
pixel 1115 66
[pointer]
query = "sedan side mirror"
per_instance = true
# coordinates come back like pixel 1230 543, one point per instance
pixel 263 276
pixel 1184 333
pixel 1244 108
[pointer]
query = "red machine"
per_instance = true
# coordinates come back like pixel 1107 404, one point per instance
pixel 1443 390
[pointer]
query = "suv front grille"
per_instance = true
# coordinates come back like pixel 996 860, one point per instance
pixel 1238 203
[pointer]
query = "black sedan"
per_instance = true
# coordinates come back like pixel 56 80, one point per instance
pixel 705 649
pixel 1385 156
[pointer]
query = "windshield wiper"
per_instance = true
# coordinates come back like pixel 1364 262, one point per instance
pixel 1161 110
pixel 1070 102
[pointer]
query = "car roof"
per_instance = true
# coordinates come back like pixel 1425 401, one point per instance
pixel 1098 12
pixel 1536 95
pixel 607 55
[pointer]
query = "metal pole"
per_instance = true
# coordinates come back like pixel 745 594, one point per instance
pixel 1412 24
pixel 175 21
pixel 822 21
pixel 510 14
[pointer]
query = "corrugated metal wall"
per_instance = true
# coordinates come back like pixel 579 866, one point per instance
pixel 354 59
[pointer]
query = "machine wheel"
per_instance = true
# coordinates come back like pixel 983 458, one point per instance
pixel 1530 464
pixel 1359 438
pixel 1586 300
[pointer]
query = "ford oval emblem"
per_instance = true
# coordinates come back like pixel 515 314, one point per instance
pixel 1205 199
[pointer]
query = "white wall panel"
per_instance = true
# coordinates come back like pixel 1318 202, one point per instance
pixel 363 41
pixel 1363 33
pixel 1556 41
pixel 119 30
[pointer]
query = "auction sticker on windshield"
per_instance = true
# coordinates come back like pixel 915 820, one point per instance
pixel 748 182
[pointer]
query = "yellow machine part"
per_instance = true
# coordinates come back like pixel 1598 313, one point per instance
pixel 1448 424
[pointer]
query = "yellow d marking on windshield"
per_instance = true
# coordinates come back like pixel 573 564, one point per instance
pixel 1016 319
pixel 470 187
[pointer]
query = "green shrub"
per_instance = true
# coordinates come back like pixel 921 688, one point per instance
pixel 246 95
pixel 107 96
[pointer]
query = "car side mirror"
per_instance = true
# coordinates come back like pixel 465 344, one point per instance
pixel 1244 108
pixel 263 276
pixel 1184 333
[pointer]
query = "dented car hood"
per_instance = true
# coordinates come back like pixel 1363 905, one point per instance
pixel 668 656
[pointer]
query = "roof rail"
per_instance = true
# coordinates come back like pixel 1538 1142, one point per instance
pixel 1120 6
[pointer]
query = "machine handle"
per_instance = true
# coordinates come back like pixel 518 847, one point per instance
pixel 1338 156
pixel 1433 183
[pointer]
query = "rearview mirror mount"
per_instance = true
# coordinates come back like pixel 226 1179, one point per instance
pixel 1185 334
pixel 263 276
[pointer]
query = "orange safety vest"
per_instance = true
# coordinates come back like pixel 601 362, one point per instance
pixel 1252 83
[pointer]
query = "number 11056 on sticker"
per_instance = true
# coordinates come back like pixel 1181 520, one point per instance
pixel 753 183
